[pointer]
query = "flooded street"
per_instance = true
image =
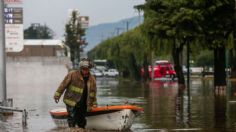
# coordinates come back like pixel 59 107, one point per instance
pixel 166 107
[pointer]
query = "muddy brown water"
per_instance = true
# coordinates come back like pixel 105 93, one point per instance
pixel 167 107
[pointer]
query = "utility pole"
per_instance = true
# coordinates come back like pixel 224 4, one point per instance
pixel 127 25
pixel 118 30
pixel 2 55
pixel 139 16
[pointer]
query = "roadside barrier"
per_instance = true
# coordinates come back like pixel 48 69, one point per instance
pixel 6 108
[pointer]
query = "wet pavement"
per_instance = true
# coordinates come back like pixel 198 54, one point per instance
pixel 167 107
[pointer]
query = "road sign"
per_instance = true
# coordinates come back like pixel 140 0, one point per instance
pixel 13 1
pixel 84 21
pixel 13 15
pixel 14 37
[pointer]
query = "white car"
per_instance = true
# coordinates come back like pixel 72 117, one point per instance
pixel 96 73
pixel 111 73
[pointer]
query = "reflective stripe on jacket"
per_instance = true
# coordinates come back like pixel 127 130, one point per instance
pixel 73 85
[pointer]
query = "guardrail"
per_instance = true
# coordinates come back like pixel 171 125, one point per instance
pixel 24 113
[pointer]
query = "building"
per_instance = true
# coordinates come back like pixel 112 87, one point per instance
pixel 40 48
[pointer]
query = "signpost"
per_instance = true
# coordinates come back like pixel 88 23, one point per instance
pixel 13 1
pixel 14 29
pixel 84 21
pixel 11 40
pixel 13 17
pixel 3 95
pixel 14 37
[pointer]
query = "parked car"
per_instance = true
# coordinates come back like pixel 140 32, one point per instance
pixel 185 70
pixel 111 73
pixel 96 73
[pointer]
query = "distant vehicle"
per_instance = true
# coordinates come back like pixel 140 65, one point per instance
pixel 100 68
pixel 100 62
pixel 100 65
pixel 193 70
pixel 162 69
pixel 185 70
pixel 111 73
pixel 96 73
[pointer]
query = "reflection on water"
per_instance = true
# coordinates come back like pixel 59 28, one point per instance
pixel 182 109
pixel 106 82
pixel 167 107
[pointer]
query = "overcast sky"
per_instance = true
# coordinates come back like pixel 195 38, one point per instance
pixel 54 13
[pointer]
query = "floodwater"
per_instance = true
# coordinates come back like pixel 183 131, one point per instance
pixel 166 107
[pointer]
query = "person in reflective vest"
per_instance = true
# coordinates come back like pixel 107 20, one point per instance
pixel 80 93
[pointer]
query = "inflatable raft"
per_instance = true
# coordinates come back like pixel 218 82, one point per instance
pixel 117 117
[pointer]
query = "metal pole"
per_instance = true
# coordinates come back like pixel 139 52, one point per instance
pixel 2 54
pixel 23 111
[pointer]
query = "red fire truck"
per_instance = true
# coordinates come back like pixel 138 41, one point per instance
pixel 162 69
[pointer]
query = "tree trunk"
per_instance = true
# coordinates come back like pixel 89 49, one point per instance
pixel 145 66
pixel 219 67
pixel 176 53
pixel 233 61
pixel 72 58
pixel 77 58
pixel 233 51
pixel 133 68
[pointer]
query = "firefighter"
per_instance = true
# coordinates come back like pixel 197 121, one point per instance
pixel 80 94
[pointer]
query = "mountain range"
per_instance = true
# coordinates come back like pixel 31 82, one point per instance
pixel 98 33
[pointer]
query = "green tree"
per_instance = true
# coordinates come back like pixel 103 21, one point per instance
pixel 233 49
pixel 232 53
pixel 173 22
pixel 73 38
pixel 126 52
pixel 205 58
pixel 184 21
pixel 37 31
pixel 217 26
